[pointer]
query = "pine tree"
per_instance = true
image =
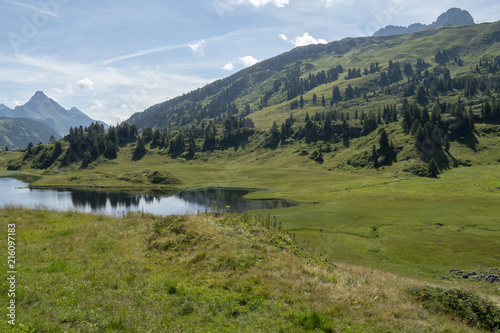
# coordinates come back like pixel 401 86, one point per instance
pixel 433 169
pixel 274 136
pixel 421 95
pixel 421 135
pixel 384 141
pixel 141 146
pixel 349 92
pixel 111 150
pixel 156 137
pixel 192 145
pixel 336 96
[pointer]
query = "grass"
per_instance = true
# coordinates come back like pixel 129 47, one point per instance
pixel 423 227
pixel 217 272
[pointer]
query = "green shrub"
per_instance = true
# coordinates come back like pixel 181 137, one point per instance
pixel 15 165
pixel 461 304
pixel 163 178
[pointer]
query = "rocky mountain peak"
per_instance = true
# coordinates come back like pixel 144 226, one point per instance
pixel 453 16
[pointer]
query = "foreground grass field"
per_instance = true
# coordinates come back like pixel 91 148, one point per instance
pixel 206 273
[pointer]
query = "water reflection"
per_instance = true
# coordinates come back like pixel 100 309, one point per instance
pixel 232 198
pixel 115 203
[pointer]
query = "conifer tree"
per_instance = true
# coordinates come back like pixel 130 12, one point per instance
pixel 141 146
pixel 336 96
pixel 191 145
pixel 421 95
pixel 384 141
pixel 433 169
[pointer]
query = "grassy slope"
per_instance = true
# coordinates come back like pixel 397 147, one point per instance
pixel 18 133
pixel 471 42
pixel 348 205
pixel 202 273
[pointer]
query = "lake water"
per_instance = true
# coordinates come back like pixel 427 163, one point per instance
pixel 116 203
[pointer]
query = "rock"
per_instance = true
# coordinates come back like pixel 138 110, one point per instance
pixel 491 278
pixel 453 16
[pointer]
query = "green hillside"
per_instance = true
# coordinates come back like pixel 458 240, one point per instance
pixel 332 102
pixel 19 132
pixel 263 86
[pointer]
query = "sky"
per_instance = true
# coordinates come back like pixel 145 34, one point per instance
pixel 113 58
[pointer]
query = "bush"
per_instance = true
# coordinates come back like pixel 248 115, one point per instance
pixel 317 156
pixel 15 165
pixel 163 178
pixel 464 305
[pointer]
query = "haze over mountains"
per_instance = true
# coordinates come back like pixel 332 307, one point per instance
pixel 453 16
pixel 37 120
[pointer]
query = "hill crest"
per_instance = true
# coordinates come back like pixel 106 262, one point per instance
pixel 453 16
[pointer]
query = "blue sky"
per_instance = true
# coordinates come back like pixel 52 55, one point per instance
pixel 113 58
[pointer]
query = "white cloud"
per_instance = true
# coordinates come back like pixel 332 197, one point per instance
pixel 136 87
pixel 283 37
pixel 66 91
pixel 97 105
pixel 143 52
pixel 228 67
pixel 86 84
pixel 198 48
pixel 329 3
pixel 248 61
pixel 259 3
pixel 303 40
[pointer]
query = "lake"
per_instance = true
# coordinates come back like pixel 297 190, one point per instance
pixel 116 203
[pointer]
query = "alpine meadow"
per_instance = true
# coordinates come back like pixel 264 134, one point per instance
pixel 387 146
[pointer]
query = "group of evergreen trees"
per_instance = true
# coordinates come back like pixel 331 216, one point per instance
pixel 295 86
pixel 490 63
pixel 327 125
pixel 87 144
pixel 490 111
pixel 432 132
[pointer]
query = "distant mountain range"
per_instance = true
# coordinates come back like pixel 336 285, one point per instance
pixel 17 133
pixel 453 16
pixel 37 120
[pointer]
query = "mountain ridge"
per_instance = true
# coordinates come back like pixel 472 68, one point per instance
pixel 246 87
pixel 17 133
pixel 453 16
pixel 47 111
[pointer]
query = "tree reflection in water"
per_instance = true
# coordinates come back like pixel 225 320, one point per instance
pixel 115 203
